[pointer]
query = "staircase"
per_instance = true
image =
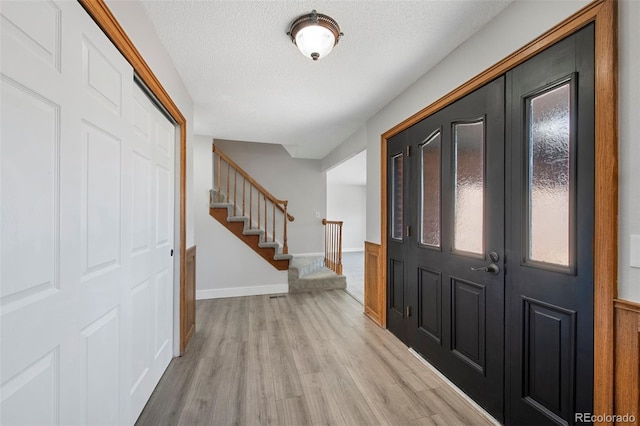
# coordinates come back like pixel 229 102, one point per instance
pixel 310 274
pixel 259 219
pixel 305 273
pixel 249 211
pixel 240 226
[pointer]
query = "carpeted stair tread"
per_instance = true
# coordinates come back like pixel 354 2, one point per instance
pixel 222 205
pixel 318 283
pixel 303 265
pixel 238 219
pixel 281 256
pixel 308 273
pixel 268 244
pixel 323 273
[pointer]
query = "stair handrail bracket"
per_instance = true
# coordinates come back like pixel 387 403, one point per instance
pixel 243 194
pixel 333 245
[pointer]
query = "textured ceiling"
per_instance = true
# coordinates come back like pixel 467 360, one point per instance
pixel 250 83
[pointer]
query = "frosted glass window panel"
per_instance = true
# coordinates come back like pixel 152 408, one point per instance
pixel 397 198
pixel 469 187
pixel 549 176
pixel 430 153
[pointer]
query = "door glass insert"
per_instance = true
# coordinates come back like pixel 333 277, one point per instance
pixel 548 130
pixel 469 187
pixel 430 207
pixel 397 198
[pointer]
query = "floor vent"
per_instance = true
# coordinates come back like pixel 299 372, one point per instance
pixel 277 296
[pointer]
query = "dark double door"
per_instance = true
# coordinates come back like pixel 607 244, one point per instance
pixel 489 245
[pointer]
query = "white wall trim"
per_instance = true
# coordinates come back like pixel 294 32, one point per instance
pixel 353 250
pixel 221 293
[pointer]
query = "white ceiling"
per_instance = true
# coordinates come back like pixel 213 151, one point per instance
pixel 250 83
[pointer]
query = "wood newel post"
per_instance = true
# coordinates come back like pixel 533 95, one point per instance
pixel 339 271
pixel 324 222
pixel 335 246
pixel 285 248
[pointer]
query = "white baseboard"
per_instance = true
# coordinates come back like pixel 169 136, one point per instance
pixel 221 293
pixel 351 250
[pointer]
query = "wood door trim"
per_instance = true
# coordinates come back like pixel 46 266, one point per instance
pixel 605 270
pixel 190 294
pixel 101 14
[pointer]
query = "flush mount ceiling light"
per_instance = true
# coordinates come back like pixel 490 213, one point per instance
pixel 315 34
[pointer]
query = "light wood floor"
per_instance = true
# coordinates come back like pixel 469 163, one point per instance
pixel 303 359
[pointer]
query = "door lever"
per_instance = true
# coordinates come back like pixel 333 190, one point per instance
pixel 492 268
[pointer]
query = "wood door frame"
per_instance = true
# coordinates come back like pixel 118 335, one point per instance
pixel 605 245
pixel 100 13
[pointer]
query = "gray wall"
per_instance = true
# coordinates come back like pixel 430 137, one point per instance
pixel 348 203
pixel 629 132
pixel 225 265
pixel 353 145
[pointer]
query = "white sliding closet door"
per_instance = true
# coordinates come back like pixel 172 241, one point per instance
pixel 86 224
pixel 151 284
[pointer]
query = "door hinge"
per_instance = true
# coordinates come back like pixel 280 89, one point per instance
pixel 408 311
pixel 408 230
pixel 408 150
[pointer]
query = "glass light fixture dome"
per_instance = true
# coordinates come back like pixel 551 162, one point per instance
pixel 315 34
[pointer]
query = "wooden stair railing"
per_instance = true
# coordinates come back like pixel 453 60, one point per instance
pixel 333 245
pixel 235 186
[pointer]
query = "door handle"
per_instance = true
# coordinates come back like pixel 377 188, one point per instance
pixel 492 268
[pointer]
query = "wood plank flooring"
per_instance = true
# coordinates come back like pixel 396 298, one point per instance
pixel 303 359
